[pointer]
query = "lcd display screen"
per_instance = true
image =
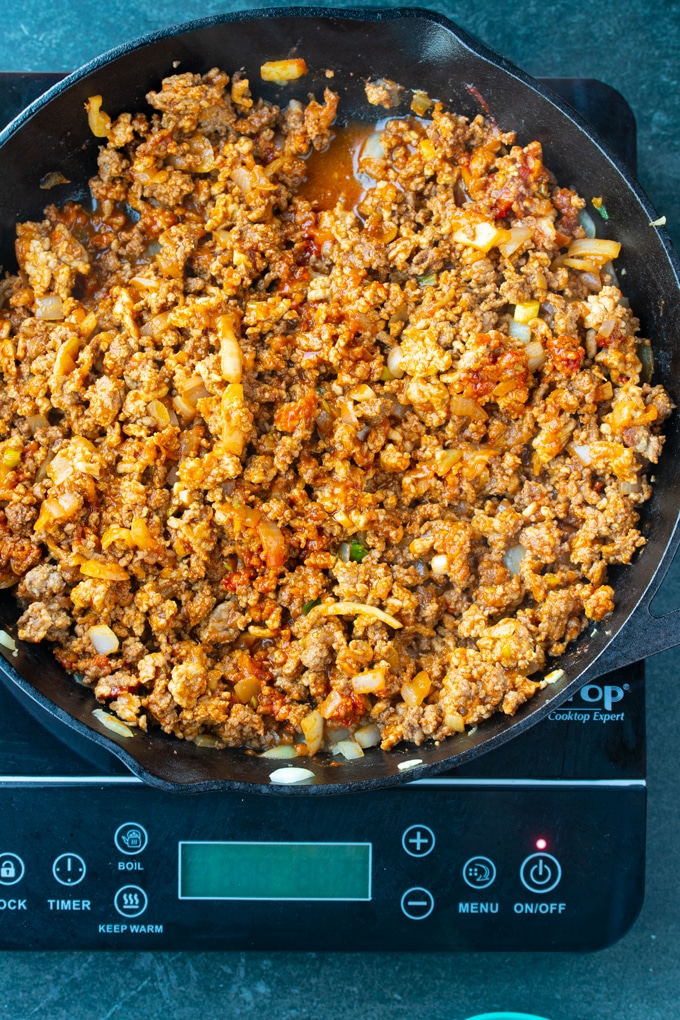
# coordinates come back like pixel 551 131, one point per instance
pixel 274 871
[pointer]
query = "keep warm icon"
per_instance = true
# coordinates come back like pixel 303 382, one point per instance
pixel 130 901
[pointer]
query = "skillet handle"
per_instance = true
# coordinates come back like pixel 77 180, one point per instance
pixel 643 634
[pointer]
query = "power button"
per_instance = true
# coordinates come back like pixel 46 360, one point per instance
pixel 540 873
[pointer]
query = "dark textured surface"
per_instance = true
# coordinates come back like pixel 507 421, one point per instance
pixel 635 48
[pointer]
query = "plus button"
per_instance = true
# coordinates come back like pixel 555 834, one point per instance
pixel 418 840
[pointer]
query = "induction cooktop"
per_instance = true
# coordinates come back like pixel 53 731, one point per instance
pixel 537 846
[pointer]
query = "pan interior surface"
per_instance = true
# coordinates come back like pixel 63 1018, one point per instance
pixel 435 57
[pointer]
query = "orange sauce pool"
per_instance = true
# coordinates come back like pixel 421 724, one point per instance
pixel 333 172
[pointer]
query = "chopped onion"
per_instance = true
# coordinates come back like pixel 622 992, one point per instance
pixel 372 147
pixel 466 407
pixel 445 460
pixel 249 686
pixel 361 392
pixel 280 751
pixel 282 71
pixel 367 736
pixel 513 558
pixel 114 533
pixel 184 408
pixel 526 311
pixel 486 235
pixel 420 103
pixel 104 571
pixel 369 682
pixel 313 728
pixel 349 608
pixel 36 421
pixel 49 307
pixel 112 723
pixel 330 704
pixel 99 121
pixel 65 361
pixel 344 551
pixel 607 327
pixel 593 250
pixel 349 749
pixel 347 414
pixel 103 639
pixel 535 355
pixel 394 360
pixel 194 390
pixel 7 641
pixel 242 179
pixel 290 774
pixel 582 451
pixel 520 331
pixel 412 763
pixel 454 721
pixel 587 222
pixel 552 678
pixel 608 268
pixel 231 361
pixel 415 691
pixel 141 535
pixel 335 732
pixel 51 180
pixel 57 509
pixel 146 282
pixel 159 413
pixel 518 235
pixel 273 543
pixel 205 740
pixel 439 564
pixel 646 356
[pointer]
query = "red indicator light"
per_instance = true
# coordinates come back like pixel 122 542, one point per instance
pixel 541 844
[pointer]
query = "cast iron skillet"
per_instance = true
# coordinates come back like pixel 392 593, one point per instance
pixel 419 50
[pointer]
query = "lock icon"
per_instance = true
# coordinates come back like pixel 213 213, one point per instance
pixel 11 869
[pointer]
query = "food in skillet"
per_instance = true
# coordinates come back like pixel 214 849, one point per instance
pixel 285 467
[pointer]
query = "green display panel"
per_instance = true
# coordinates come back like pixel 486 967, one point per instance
pixel 274 871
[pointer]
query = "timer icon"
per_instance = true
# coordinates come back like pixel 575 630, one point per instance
pixel 69 869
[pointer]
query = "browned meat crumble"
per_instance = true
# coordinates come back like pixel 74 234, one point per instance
pixel 272 472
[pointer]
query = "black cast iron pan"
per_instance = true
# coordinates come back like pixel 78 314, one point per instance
pixel 419 50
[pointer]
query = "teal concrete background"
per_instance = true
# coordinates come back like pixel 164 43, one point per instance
pixel 635 47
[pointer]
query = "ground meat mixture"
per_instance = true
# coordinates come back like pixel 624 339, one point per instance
pixel 344 468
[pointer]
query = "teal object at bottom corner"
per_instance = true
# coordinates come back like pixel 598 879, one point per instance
pixel 507 1016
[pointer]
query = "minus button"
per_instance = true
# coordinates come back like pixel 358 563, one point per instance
pixel 417 903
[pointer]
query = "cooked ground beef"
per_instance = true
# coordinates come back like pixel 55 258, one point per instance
pixel 278 467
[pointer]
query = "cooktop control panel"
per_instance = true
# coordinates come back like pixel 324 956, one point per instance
pixel 427 867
